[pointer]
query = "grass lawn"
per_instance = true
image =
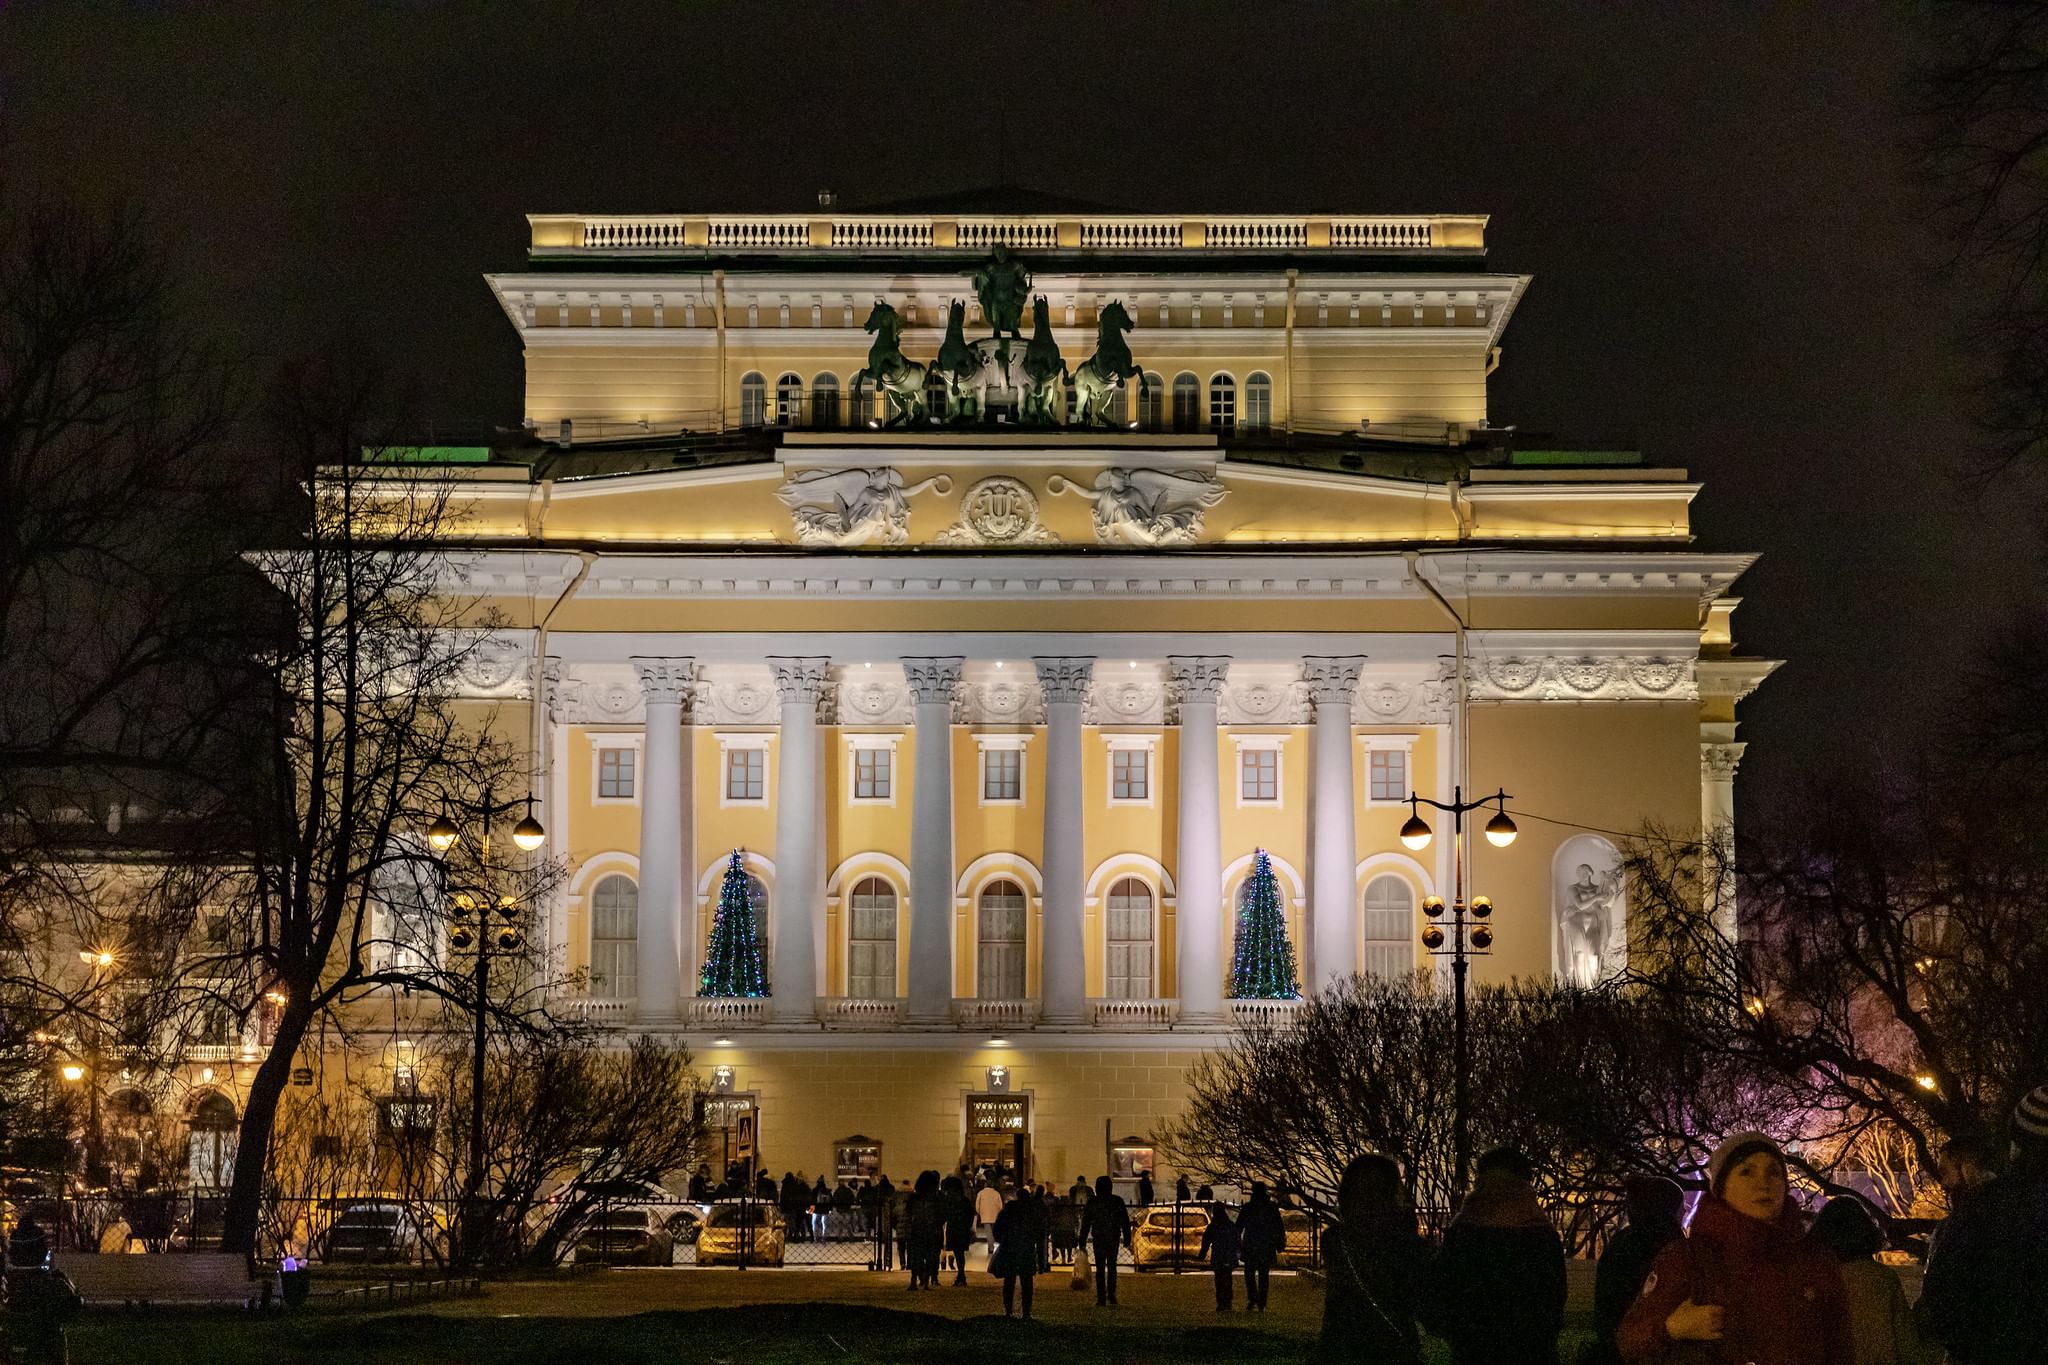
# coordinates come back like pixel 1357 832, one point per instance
pixel 759 1334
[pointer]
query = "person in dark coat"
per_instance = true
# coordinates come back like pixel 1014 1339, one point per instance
pixel 924 1231
pixel 959 1211
pixel 1261 1236
pixel 1499 1278
pixel 1181 1193
pixel 700 1185
pixel 1881 1326
pixel 1144 1189
pixel 1744 1283
pixel 1655 1207
pixel 1982 1297
pixel 794 1198
pixel 1020 1229
pixel 1219 1249
pixel 1373 1270
pixel 1107 1229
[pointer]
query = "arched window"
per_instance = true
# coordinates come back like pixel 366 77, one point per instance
pixel 615 939
pixel 1187 402
pixel 825 400
pixel 1223 405
pixel 871 946
pixel 1127 966
pixel 753 400
pixel 1000 964
pixel 789 401
pixel 1389 928
pixel 212 1162
pixel 1152 403
pixel 1258 402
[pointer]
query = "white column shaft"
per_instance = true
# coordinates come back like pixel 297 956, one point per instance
pixel 799 890
pixel 1063 961
pixel 931 839
pixel 1199 875
pixel 1333 818
pixel 664 838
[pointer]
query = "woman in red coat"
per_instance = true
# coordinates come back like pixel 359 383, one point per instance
pixel 1744 1283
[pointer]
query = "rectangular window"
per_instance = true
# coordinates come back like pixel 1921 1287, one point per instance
pixel 1002 775
pixel 746 774
pixel 1259 775
pixel 1129 775
pixel 615 774
pixel 871 772
pixel 1388 769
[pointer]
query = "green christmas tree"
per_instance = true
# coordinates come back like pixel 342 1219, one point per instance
pixel 732 962
pixel 1262 960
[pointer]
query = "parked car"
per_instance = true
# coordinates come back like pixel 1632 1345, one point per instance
pixel 1168 1233
pixel 626 1237
pixel 737 1229
pixel 376 1230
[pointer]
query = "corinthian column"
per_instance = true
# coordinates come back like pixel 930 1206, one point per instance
pixel 799 889
pixel 1063 981
pixel 932 682
pixel 1333 820
pixel 1199 877
pixel 1718 762
pixel 665 829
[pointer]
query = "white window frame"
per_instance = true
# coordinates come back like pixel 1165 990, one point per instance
pixel 731 743
pixel 1147 745
pixel 1257 743
pixel 615 741
pixel 895 934
pixel 1402 744
pixel 855 746
pixel 1155 914
pixel 984 745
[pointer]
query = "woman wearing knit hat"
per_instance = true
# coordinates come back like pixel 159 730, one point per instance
pixel 1744 1287
pixel 1982 1298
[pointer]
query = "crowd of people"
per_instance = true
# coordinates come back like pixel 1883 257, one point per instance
pixel 1749 1281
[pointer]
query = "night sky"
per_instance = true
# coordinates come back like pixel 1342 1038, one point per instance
pixel 1733 270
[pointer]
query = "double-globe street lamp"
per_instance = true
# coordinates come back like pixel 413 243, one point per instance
pixel 473 931
pixel 1470 933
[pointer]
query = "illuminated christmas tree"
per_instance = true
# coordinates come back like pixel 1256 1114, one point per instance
pixel 732 961
pixel 1262 960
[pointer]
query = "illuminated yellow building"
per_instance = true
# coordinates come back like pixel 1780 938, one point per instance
pixel 1000 713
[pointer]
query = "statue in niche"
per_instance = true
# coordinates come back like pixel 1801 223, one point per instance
pixel 1106 371
pixel 899 378
pixel 846 508
pixel 1003 284
pixel 1045 396
pixel 1148 507
pixel 1589 922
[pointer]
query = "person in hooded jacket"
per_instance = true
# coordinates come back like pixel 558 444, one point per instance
pixel 959 1224
pixel 1373 1264
pixel 1499 1278
pixel 1261 1236
pixel 1655 1217
pixel 1744 1284
pixel 924 1231
pixel 1982 1297
pixel 1019 1229
pixel 1881 1326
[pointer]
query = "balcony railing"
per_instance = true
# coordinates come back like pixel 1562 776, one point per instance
pixel 595 1009
pixel 857 1012
pixel 978 233
pixel 1135 1014
pixel 726 1013
pixel 213 1052
pixel 995 1013
pixel 1263 1013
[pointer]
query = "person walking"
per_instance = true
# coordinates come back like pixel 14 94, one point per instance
pixel 959 1224
pixel 1743 1282
pixel 1145 1188
pixel 1501 1252
pixel 924 1224
pixel 1655 1206
pixel 1881 1327
pixel 1019 1229
pixel 821 1210
pixel 1107 1229
pixel 1079 1193
pixel 1219 1249
pixel 1261 1236
pixel 988 1203
pixel 1373 1267
pixel 1982 1296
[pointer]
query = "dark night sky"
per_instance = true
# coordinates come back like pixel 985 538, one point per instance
pixel 1731 268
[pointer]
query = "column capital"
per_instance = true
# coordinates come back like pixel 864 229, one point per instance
pixel 1332 679
pixel 1064 680
pixel 1198 677
pixel 800 680
pixel 933 679
pixel 666 680
pixel 1720 761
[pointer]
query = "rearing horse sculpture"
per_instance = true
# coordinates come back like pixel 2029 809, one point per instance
pixel 897 376
pixel 1104 372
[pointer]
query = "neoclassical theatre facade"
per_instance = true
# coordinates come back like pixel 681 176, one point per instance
pixel 998 586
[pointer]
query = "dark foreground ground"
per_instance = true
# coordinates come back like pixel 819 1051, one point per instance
pixel 728 1318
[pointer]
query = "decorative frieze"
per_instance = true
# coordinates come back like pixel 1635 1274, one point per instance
pixel 1003 701
pixel 741 702
pixel 1264 702
pixel 489 663
pixel 1126 701
pixel 847 508
pixel 1581 677
pixel 997 512
pixel 867 700
pixel 1152 508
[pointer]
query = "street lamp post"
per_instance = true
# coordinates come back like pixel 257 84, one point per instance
pixel 100 962
pixel 1467 938
pixel 443 835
